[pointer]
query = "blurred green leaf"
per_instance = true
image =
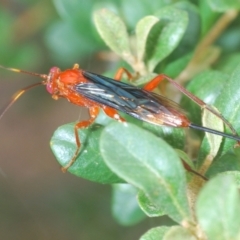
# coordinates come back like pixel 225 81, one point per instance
pixel 218 209
pixel 165 36
pixel 175 67
pixel 125 207
pixel 178 233
pixel 89 164
pixel 156 233
pixel 77 13
pixel 208 16
pixel 187 44
pixel 113 31
pixel 227 162
pixel 11 52
pixel 141 9
pixel 234 174
pixel 228 104
pixel 228 63
pixel 207 86
pixel 148 163
pixel 66 44
pixel 229 42
pixel 223 5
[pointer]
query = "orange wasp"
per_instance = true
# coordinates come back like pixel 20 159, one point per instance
pixel 97 92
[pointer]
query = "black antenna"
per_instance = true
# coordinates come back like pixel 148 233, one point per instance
pixel 205 129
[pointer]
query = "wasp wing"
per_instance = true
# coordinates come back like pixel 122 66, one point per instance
pixel 137 102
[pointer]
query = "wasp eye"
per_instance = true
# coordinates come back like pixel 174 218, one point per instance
pixel 49 88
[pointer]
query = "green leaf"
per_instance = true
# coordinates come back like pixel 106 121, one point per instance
pixel 227 162
pixel 187 44
pixel 211 121
pixel 173 136
pixel 208 16
pixel 178 233
pixel 143 29
pixel 76 12
pixel 148 207
pixel 207 86
pixel 89 164
pixel 141 9
pixel 60 33
pixel 224 5
pixel 165 35
pixel 113 31
pixel 234 174
pixel 228 105
pixel 175 67
pixel 183 156
pixel 125 207
pixel 156 233
pixel 149 164
pixel 229 63
pixel 218 209
pixel 77 15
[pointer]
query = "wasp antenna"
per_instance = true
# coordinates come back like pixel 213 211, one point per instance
pixel 17 95
pixel 201 128
pixel 44 76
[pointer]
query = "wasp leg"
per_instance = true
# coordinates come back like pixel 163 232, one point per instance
pixel 93 111
pixel 154 83
pixel 112 113
pixel 120 72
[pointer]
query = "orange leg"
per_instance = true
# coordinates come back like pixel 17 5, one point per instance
pixel 120 72
pixel 93 111
pixel 112 113
pixel 154 83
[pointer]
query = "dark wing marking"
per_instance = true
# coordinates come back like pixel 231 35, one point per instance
pixel 126 98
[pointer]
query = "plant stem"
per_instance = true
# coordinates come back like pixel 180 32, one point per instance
pixel 198 62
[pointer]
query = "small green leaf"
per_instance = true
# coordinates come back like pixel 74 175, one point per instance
pixel 142 31
pixel 178 233
pixel 148 207
pixel 125 207
pixel 113 31
pixel 89 164
pixel 218 209
pixel 224 5
pixel 149 164
pixel 156 233
pixel 165 35
pixel 211 121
